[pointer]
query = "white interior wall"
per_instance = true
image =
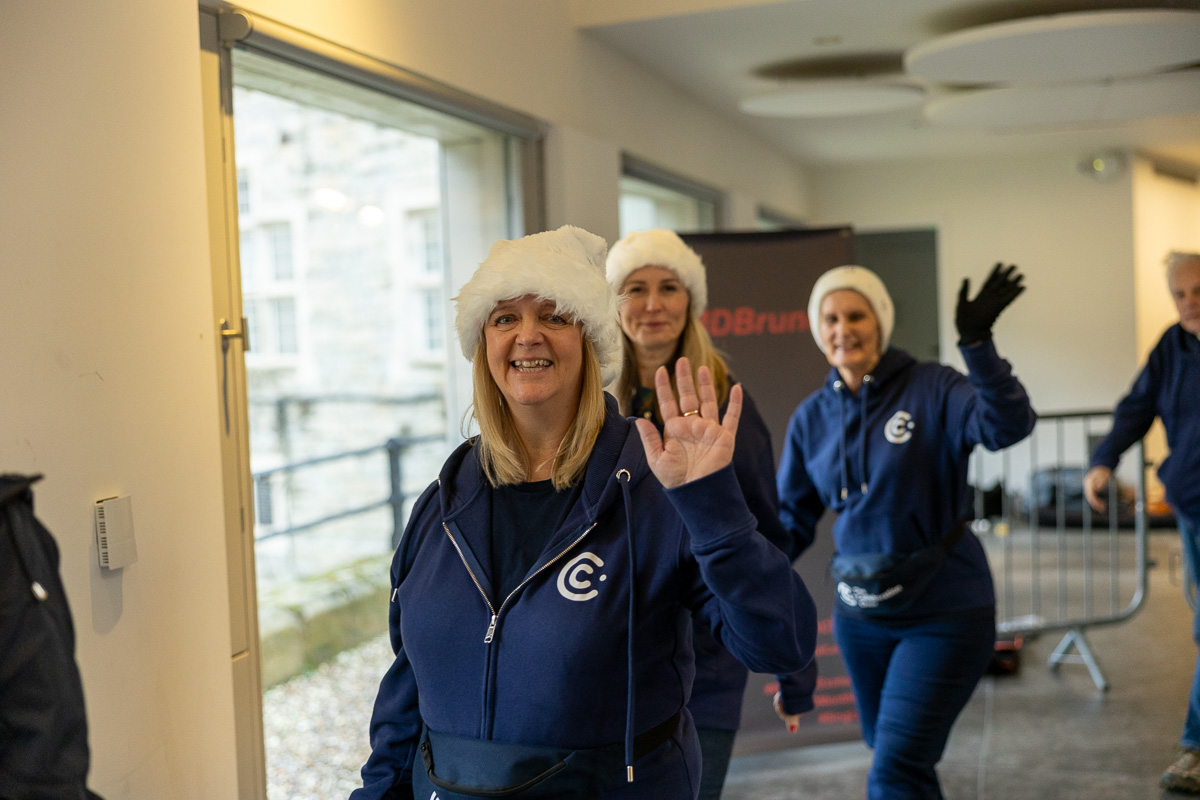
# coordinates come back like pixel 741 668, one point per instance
pixel 1166 217
pixel 106 315
pixel 740 212
pixel 583 174
pixel 1071 335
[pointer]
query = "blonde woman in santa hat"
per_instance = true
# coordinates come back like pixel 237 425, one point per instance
pixel 664 290
pixel 546 581
pixel 885 444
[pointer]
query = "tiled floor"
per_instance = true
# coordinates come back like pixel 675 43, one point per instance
pixel 1038 735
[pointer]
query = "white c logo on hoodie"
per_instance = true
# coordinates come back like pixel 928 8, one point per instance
pixel 899 428
pixel 575 574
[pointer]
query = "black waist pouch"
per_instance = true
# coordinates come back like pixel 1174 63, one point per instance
pixel 881 584
pixel 459 767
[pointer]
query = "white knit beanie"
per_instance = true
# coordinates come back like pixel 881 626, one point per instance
pixel 564 265
pixel 659 248
pixel 866 283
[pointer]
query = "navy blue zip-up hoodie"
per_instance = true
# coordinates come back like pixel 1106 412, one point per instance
pixel 1167 387
pixel 553 669
pixel 720 684
pixel 892 461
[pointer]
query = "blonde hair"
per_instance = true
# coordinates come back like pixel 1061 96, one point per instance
pixel 694 343
pixel 501 453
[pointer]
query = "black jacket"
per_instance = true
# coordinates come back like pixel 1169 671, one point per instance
pixel 43 729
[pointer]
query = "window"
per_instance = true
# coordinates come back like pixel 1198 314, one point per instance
pixel 249 257
pixel 272 324
pixel 345 271
pixel 654 198
pixel 243 191
pixel 425 240
pixel 270 292
pixel 264 510
pixel 435 319
pixel 769 220
pixel 279 241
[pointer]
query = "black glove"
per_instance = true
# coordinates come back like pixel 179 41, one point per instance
pixel 974 318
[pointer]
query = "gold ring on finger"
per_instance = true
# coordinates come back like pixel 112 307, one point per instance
pixel 689 413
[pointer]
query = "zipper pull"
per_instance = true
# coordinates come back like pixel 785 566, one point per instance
pixel 491 631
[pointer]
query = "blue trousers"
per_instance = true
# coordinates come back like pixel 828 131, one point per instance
pixel 1189 533
pixel 910 684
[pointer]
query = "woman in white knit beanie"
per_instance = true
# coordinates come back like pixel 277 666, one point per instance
pixel 885 443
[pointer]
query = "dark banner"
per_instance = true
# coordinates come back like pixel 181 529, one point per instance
pixel 758 288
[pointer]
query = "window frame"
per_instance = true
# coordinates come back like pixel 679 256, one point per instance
pixel 639 169
pixel 768 219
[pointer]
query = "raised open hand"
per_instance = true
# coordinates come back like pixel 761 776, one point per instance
pixel 974 318
pixel 694 442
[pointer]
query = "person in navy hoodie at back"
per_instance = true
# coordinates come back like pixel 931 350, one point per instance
pixel 545 585
pixel 1168 388
pixel 885 444
pixel 664 290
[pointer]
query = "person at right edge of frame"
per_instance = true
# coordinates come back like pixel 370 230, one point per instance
pixel 885 443
pixel 1167 387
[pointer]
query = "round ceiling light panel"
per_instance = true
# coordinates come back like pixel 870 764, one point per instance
pixel 835 97
pixel 1168 94
pixel 1087 45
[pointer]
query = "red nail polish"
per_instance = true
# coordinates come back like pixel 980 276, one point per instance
pixel 793 727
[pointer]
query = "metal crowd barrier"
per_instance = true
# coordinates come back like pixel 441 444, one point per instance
pixel 1060 567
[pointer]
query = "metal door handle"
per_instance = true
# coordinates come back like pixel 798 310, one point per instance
pixel 228 333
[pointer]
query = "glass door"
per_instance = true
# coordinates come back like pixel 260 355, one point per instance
pixel 358 216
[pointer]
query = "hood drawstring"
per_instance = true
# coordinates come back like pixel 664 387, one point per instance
pixel 862 437
pixel 837 387
pixel 630 682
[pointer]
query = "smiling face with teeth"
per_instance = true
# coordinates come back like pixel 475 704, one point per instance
pixel 535 356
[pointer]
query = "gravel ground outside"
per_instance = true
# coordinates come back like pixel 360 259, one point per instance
pixel 315 725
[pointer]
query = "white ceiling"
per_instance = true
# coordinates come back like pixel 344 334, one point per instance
pixel 713 48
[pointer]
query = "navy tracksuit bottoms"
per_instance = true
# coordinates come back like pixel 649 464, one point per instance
pixel 911 681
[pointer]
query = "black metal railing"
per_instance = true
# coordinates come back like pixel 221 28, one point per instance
pixel 395 449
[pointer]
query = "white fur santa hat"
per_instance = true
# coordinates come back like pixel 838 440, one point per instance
pixel 565 266
pixel 660 248
pixel 863 281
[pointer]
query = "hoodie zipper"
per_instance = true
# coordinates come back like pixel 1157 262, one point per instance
pixel 495 612
pixel 489 672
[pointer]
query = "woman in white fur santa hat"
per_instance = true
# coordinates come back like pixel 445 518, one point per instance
pixel 544 587
pixel 664 291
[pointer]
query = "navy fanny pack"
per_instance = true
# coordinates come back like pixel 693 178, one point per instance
pixel 459 767
pixel 880 584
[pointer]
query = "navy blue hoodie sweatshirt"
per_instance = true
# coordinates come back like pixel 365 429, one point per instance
pixel 548 666
pixel 892 462
pixel 1167 387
